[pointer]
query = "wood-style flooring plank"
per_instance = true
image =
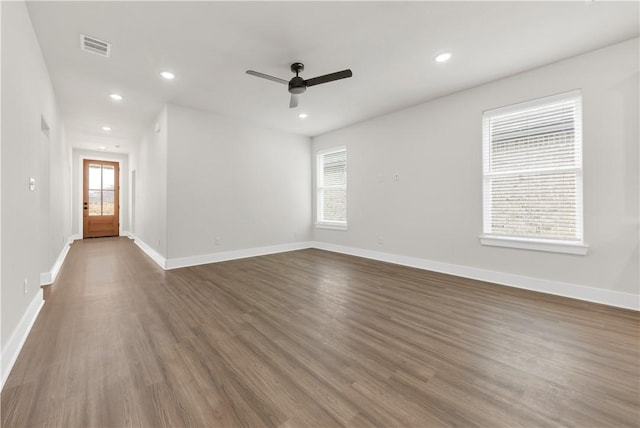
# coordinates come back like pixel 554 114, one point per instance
pixel 313 338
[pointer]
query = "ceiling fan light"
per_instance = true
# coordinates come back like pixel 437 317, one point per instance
pixel 443 57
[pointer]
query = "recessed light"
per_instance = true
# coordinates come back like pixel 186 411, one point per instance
pixel 303 115
pixel 116 97
pixel 106 128
pixel 443 57
pixel 102 148
pixel 167 75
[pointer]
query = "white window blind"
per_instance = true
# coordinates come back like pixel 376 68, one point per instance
pixel 332 187
pixel 532 165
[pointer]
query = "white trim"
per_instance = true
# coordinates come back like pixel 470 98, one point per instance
pixel 234 255
pixel 47 278
pixel 125 233
pixel 534 244
pixel 335 149
pixel 525 105
pixel 333 226
pixel 14 345
pixel 319 178
pixel 518 112
pixel 526 172
pixel 575 291
pixel 157 257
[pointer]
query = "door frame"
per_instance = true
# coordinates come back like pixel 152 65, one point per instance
pixel 132 206
pixel 82 158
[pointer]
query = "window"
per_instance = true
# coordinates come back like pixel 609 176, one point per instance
pixel 331 182
pixel 532 175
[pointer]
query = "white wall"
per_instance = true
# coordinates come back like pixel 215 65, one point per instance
pixel 434 210
pixel 150 164
pixel 35 225
pixel 76 193
pixel 1 138
pixel 245 185
pixel 59 221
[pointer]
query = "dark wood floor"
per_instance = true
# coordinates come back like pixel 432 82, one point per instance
pixel 312 338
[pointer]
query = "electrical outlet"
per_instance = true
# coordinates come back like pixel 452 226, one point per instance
pixel 217 240
pixel 26 283
pixel 380 240
pixel 396 176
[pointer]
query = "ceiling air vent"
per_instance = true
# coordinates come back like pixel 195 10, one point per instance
pixel 96 46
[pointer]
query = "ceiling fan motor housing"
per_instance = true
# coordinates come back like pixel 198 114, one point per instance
pixel 297 85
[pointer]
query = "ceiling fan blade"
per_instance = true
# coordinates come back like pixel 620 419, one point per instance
pixel 293 102
pixel 329 77
pixel 266 76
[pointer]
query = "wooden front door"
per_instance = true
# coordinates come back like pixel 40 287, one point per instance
pixel 101 206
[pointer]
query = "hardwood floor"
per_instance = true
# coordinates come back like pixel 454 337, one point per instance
pixel 312 338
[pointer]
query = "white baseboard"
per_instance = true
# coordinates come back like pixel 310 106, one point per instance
pixel 580 292
pixel 575 291
pixel 234 255
pixel 157 257
pixel 75 237
pixel 47 278
pixel 14 345
pixel 222 256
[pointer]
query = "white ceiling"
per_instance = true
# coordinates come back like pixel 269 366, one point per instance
pixel 389 46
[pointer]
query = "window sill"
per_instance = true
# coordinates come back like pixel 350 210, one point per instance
pixel 534 244
pixel 332 226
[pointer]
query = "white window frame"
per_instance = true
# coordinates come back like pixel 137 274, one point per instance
pixel 530 243
pixel 320 223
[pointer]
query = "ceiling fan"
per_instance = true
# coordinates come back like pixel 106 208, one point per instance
pixel 298 85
